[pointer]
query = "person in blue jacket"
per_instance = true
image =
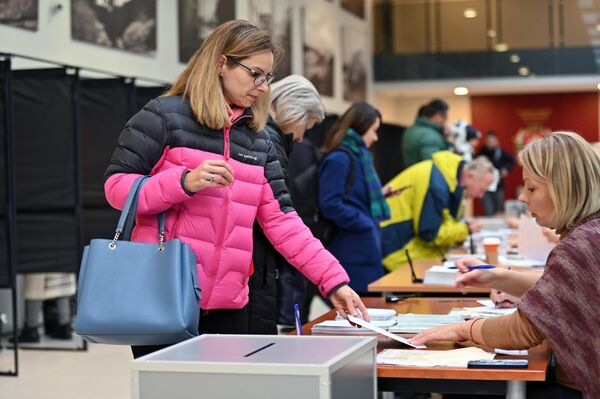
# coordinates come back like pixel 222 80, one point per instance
pixel 350 195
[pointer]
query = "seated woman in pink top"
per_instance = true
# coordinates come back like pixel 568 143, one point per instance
pixel 214 172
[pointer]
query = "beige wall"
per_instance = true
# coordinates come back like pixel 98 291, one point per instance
pixel 402 110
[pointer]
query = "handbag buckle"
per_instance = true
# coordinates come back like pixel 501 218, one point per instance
pixel 161 241
pixel 113 243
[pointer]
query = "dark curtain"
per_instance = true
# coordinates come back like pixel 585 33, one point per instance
pixel 7 214
pixel 47 170
pixel 388 152
pixel 106 105
pixel 143 94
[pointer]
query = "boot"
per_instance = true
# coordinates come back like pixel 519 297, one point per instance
pixel 63 331
pixel 29 335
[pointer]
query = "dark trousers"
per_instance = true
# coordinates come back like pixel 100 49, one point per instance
pixel 217 321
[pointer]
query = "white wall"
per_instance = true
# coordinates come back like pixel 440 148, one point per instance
pixel 52 41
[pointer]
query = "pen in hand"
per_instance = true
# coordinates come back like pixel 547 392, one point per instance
pixel 478 267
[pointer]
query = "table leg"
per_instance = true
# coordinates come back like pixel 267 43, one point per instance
pixel 515 390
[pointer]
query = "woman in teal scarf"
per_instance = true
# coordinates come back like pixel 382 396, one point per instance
pixel 350 195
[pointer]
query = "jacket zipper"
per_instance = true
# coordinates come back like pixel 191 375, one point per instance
pixel 221 236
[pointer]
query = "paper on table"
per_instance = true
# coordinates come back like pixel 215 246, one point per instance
pixel 449 358
pixel 532 242
pixel 511 352
pixel 487 302
pixel 378 330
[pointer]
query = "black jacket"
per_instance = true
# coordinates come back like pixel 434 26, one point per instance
pixel 500 159
pixel 275 285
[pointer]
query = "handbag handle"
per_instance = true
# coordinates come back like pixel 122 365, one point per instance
pixel 129 211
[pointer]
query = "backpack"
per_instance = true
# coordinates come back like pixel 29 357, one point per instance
pixel 304 181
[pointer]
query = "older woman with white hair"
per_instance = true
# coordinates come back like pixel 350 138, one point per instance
pixel 275 286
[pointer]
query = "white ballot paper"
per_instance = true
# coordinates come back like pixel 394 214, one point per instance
pixel 378 330
pixel 448 358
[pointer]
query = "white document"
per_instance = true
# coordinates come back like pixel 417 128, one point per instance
pixel 378 330
pixel 532 242
pixel 419 358
pixel 487 302
pixel 511 352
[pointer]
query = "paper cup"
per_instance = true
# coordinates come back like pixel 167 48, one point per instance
pixel 491 246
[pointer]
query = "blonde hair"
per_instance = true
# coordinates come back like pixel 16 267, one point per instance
pixel 296 100
pixel 571 169
pixel 200 82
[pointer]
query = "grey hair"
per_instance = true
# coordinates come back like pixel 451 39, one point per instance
pixel 295 100
pixel 480 166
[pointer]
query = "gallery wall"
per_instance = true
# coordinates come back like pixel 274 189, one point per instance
pixel 340 37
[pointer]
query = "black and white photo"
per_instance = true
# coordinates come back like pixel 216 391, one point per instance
pixel 19 13
pixel 197 20
pixel 275 16
pixel 355 60
pixel 123 24
pixel 319 47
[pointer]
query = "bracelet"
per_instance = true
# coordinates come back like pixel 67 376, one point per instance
pixel 471 330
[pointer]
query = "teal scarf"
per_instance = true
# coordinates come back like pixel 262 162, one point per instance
pixel 379 207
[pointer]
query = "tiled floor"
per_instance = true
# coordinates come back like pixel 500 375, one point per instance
pixel 101 372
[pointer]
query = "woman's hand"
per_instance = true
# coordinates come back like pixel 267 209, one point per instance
pixel 450 332
pixel 475 225
pixel 483 278
pixel 210 173
pixel 503 300
pixel 346 301
pixel 551 235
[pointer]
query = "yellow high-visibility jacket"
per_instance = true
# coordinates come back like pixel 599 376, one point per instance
pixel 425 215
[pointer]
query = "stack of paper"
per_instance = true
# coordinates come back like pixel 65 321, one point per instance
pixel 376 314
pixel 519 261
pixel 486 311
pixel 344 327
pixel 421 358
pixel 415 323
pixel 440 275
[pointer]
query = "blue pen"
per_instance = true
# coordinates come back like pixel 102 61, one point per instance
pixel 476 267
pixel 298 323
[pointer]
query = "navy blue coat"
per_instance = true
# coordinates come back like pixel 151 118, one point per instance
pixel 356 239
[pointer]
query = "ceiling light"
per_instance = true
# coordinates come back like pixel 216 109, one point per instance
pixel 523 71
pixel 598 86
pixel 501 47
pixel 514 58
pixel 491 33
pixel 461 91
pixel 598 27
pixel 470 13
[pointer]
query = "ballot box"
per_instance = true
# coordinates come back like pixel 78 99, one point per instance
pixel 259 367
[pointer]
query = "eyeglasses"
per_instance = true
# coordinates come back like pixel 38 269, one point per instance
pixel 259 77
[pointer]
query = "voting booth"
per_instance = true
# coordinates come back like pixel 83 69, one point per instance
pixel 258 367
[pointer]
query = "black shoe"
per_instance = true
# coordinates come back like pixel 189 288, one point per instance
pixel 63 331
pixel 29 335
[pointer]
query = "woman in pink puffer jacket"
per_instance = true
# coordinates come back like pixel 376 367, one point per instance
pixel 214 171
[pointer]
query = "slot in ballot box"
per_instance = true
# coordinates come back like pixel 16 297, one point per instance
pixel 259 367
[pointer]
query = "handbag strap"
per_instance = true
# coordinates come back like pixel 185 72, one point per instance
pixel 128 215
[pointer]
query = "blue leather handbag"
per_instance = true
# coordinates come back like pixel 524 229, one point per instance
pixel 132 293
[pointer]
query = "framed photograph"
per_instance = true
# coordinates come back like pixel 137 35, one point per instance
pixel 355 60
pixel 356 7
pixel 128 25
pixel 197 20
pixel 19 13
pixel 319 47
pixel 276 17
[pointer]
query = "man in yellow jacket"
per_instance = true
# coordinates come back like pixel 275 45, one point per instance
pixel 425 215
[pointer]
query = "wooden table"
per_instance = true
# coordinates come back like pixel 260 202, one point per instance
pixel 400 281
pixel 390 378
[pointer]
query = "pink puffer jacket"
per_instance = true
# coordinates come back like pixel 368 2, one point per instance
pixel 216 222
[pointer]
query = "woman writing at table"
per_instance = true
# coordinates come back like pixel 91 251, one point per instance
pixel 561 173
